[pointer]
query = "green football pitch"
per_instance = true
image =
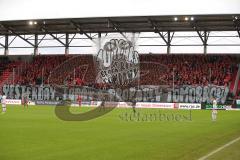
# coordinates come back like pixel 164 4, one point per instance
pixel 36 133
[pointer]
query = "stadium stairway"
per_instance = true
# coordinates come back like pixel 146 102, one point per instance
pixel 238 90
pixel 4 78
pixel 233 81
pixel 7 74
pixel 234 86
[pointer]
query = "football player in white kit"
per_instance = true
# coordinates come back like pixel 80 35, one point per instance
pixel 4 107
pixel 214 110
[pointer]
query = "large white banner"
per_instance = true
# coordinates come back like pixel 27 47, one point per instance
pixel 182 94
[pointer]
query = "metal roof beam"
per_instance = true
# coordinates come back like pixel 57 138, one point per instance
pixel 236 23
pixel 12 40
pixel 6 51
pixel 23 38
pixel 41 40
pixel 237 27
pixel 78 27
pixel 162 36
pixel 54 37
pixel 12 31
pixel 2 45
pixel 72 39
pixel 116 27
pixel 206 36
pixel 200 36
pixel 203 36
pixel 169 38
pixel 36 44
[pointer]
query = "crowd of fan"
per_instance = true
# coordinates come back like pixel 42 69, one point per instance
pixel 188 69
pixel 76 70
pixel 7 66
pixel 155 70
pixel 56 70
pixel 38 69
pixel 3 61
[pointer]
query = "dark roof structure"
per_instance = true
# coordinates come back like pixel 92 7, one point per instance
pixel 123 24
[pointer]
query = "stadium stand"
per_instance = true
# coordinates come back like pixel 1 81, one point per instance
pixel 6 68
pixel 187 69
pixel 190 69
pixel 40 67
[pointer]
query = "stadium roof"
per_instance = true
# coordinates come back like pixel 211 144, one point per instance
pixel 122 24
pixel 170 31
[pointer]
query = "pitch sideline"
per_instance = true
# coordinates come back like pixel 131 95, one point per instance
pixel 219 149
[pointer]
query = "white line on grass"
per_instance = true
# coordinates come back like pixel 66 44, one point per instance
pixel 219 149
